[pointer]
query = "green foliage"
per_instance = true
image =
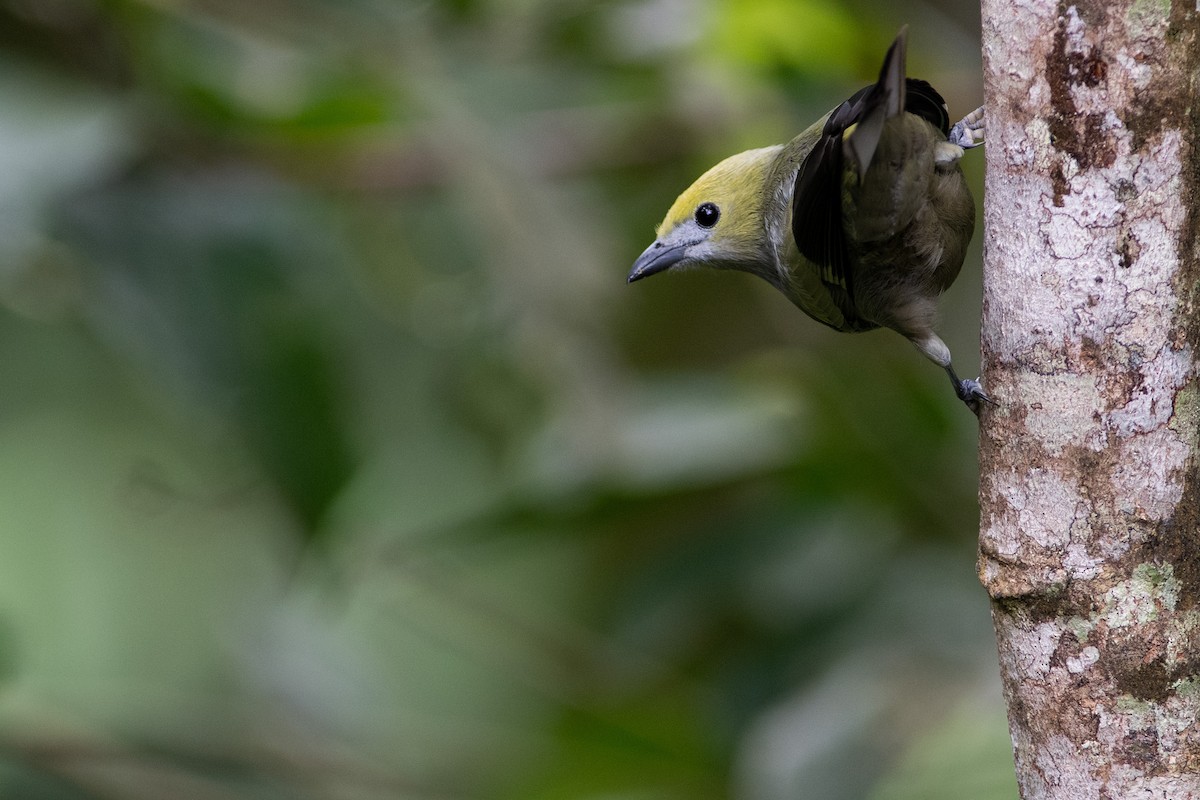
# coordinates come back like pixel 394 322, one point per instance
pixel 814 37
pixel 339 462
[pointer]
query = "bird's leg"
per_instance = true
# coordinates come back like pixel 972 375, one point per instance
pixel 969 391
pixel 968 131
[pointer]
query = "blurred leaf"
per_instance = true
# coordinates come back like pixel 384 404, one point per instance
pixel 208 298
pixel 969 755
pixel 810 36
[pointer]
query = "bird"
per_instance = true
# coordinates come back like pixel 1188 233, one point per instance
pixel 862 220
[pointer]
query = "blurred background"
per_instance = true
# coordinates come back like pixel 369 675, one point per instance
pixel 337 460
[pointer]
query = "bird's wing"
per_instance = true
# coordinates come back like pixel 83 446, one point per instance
pixel 923 100
pixel 815 298
pixel 817 201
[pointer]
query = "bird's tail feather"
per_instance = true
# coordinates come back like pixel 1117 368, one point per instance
pixel 885 100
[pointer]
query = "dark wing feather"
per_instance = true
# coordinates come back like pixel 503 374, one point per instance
pixel 924 101
pixel 817 199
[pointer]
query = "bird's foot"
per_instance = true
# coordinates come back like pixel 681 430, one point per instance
pixel 971 392
pixel 968 131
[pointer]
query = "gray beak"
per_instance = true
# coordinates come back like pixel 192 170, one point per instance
pixel 656 258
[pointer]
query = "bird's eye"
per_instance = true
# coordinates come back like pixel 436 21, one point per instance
pixel 707 215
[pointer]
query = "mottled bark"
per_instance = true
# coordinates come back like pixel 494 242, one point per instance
pixel 1090 489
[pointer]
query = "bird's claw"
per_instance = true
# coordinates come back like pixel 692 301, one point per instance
pixel 968 131
pixel 971 392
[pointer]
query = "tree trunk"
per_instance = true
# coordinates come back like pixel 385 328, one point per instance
pixel 1090 488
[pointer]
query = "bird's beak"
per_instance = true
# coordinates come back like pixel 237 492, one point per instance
pixel 656 258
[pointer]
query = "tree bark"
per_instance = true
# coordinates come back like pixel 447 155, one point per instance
pixel 1090 488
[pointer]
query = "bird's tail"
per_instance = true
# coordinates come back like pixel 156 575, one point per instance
pixel 884 100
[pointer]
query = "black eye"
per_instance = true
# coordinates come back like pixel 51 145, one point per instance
pixel 707 215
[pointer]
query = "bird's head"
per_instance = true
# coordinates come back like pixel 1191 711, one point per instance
pixel 719 221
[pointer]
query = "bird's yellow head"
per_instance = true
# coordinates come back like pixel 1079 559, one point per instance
pixel 718 221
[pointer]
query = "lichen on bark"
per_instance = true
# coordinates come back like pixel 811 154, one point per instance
pixel 1090 478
